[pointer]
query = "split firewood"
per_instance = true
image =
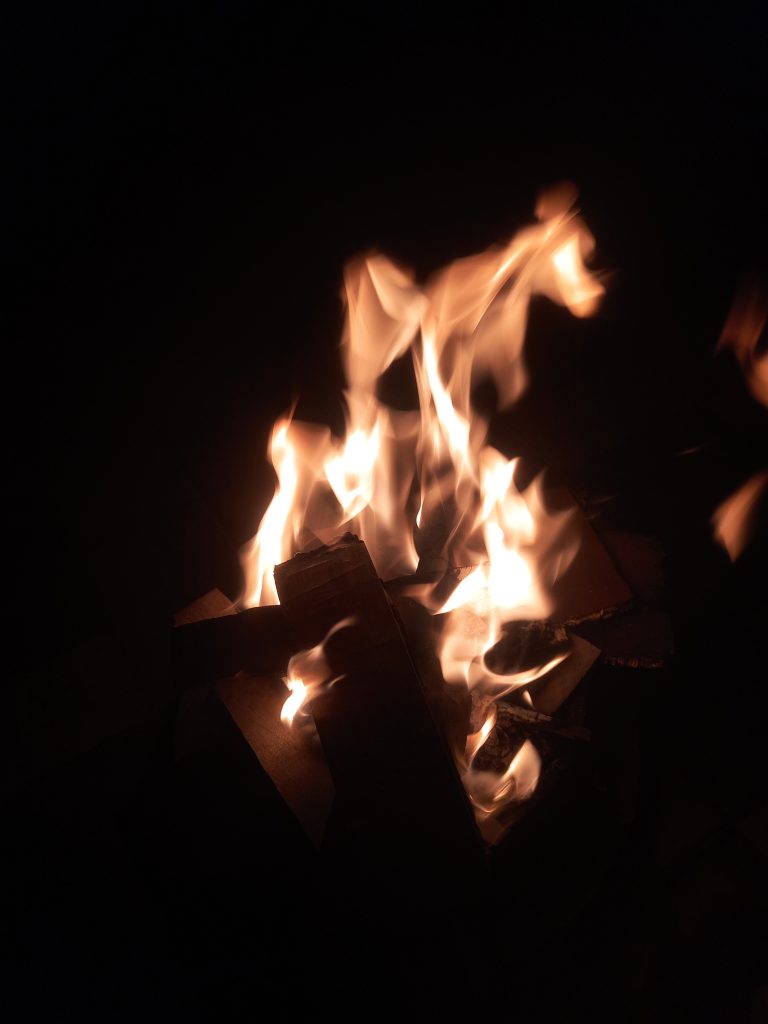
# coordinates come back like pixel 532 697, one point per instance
pixel 451 704
pixel 294 763
pixel 255 640
pixel 296 767
pixel 399 792
pixel 550 691
pixel 534 723
pixel 525 644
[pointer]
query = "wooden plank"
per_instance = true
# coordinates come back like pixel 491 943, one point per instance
pixel 212 605
pixel 591 585
pixel 296 767
pixel 295 764
pixel 211 641
pixel 404 809
pixel 549 692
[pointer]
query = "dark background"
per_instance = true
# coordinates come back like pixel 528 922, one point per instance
pixel 182 194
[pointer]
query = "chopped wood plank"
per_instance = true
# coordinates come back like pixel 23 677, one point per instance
pixel 216 641
pixel 292 758
pixel 637 638
pixel 591 584
pixel 212 641
pixel 405 809
pixel 549 692
pixel 212 605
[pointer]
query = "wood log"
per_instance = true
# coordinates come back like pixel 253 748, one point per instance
pixel 404 812
pixel 525 644
pixel 536 723
pixel 295 765
pixel 551 690
pixel 210 605
pixel 297 768
pixel 256 640
pixel 451 704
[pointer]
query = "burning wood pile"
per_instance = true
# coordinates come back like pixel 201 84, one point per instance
pixel 405 660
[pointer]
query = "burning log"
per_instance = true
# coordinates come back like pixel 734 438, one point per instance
pixel 525 644
pixel 535 723
pixel 553 689
pixel 399 793
pixel 207 654
pixel 451 704
pixel 495 560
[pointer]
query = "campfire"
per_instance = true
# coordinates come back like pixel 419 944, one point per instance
pixel 437 508
pixel 430 613
pixel 387 518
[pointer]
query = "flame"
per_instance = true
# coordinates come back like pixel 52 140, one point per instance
pixel 298 696
pixel 308 673
pixel 578 291
pixel 273 537
pixel 351 471
pixel 491 791
pixel 506 586
pixel 423 487
pixel 293 449
pixel 476 740
pixel 734 520
pixel 742 331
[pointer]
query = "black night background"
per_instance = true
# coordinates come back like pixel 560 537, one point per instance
pixel 182 193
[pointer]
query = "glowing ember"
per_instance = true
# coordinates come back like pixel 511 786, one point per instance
pixel 426 480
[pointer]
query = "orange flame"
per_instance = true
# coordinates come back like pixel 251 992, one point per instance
pixel 491 791
pixel 743 329
pixel 308 672
pixel 476 740
pixel 734 520
pixel 426 480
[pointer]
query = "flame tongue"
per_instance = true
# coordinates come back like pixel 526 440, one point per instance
pixel 735 520
pixel 308 673
pixel 401 480
pixel 490 791
pixel 742 332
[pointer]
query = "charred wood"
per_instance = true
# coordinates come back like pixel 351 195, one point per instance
pixel 256 640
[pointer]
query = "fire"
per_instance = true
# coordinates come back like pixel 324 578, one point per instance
pixel 425 483
pixel 298 696
pixel 490 791
pixel 735 519
pixel 308 673
pixel 476 740
pixel 292 450
pixel 742 332
pixel 350 472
